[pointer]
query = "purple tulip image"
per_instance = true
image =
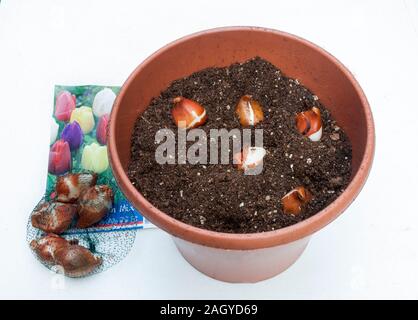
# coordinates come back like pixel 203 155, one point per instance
pixel 73 134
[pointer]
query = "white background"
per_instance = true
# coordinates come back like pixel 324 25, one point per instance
pixel 369 252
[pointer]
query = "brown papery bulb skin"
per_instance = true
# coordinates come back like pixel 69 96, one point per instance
pixel 70 186
pixel 53 217
pixel 249 111
pixel 94 204
pixel 295 201
pixel 249 158
pixel 188 114
pixel 309 123
pixel 46 247
pixel 77 261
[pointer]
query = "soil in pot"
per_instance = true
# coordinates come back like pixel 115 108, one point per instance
pixel 220 197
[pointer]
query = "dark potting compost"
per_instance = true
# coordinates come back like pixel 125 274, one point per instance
pixel 220 197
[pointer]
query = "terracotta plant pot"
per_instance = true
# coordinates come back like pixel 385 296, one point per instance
pixel 257 256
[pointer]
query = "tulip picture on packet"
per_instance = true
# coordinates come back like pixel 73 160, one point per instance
pixel 78 170
pixel 78 145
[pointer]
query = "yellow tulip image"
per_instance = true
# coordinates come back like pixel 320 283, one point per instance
pixel 84 117
pixel 94 158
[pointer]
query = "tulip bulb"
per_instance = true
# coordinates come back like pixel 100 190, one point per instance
pixel 46 247
pixel 294 201
pixel 69 187
pixel 94 204
pixel 53 217
pixel 77 261
pixel 187 113
pixel 249 111
pixel 249 158
pixel 309 123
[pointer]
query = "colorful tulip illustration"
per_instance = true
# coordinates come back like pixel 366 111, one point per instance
pixel 103 102
pixel 101 130
pixel 53 131
pixel 94 158
pixel 73 134
pixel 64 105
pixel 59 158
pixel 84 117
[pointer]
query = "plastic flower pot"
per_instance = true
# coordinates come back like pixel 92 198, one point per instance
pixel 257 256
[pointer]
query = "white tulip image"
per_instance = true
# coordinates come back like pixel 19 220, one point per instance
pixel 103 102
pixel 53 131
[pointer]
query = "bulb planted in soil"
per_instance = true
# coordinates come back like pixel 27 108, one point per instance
pixel 295 201
pixel 309 123
pixel 188 114
pixel 249 111
pixel 249 158
pixel 290 156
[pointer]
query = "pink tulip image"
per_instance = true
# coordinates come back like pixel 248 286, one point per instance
pixel 101 130
pixel 59 158
pixel 64 105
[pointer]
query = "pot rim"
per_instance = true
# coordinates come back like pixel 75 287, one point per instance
pixel 239 241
